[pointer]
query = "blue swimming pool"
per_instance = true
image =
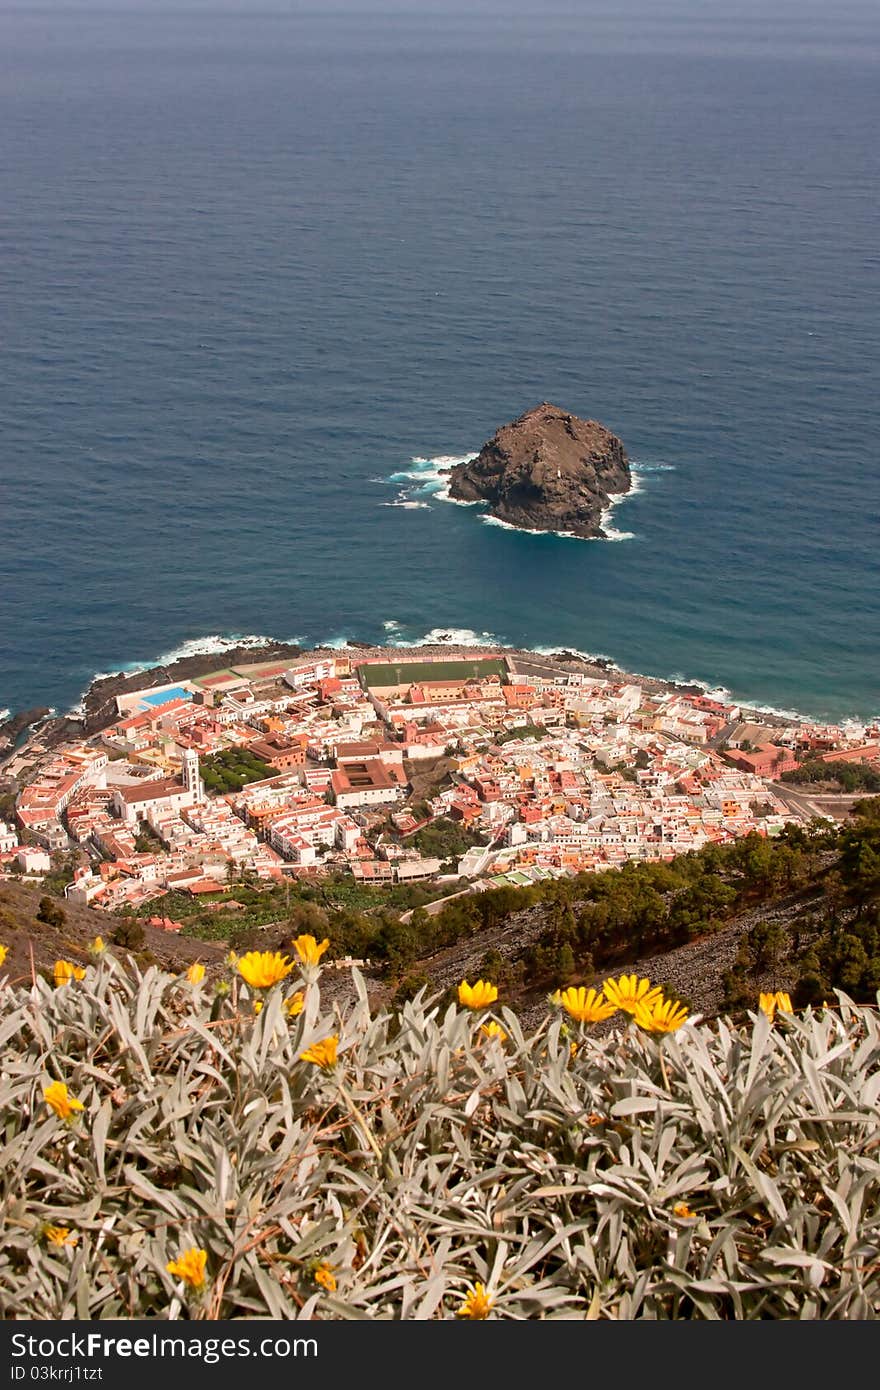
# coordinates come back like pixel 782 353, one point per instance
pixel 160 697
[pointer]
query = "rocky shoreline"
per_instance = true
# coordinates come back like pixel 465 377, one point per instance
pixel 99 701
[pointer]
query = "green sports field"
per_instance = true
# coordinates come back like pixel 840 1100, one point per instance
pixel 379 675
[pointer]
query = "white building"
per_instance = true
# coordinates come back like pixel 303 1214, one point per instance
pixel 8 837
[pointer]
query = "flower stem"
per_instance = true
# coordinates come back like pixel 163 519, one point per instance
pixel 359 1119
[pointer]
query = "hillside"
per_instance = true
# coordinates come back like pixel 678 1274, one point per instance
pixel 800 913
pixel 36 944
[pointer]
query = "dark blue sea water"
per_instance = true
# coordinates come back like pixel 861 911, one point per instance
pixel 253 263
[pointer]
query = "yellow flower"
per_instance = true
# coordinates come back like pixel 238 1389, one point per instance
pixel 258 1006
pixel 660 1016
pixel 295 1004
pixel 59 1099
pixel 769 1003
pixel 324 1276
pixel 308 949
pixel 493 1030
pixel 476 1305
pixel 66 970
pixel 4 952
pixel 190 1267
pixel 60 1235
pixel 572 1050
pixel 322 1054
pixel 260 969
pixel 196 973
pixel 97 946
pixel 629 991
pixel 586 1005
pixel 683 1211
pixel 478 996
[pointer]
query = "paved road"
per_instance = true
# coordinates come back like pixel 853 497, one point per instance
pixel 810 805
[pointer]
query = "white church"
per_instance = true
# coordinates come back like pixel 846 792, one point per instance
pixel 134 803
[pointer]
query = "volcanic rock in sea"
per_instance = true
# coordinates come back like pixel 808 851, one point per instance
pixel 546 471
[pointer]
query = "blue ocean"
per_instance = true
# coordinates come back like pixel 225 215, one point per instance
pixel 267 269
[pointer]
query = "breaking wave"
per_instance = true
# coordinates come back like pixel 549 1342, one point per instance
pixel 194 646
pixel 443 637
pixel 427 479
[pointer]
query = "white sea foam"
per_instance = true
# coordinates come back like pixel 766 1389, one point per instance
pixel 712 692
pixel 614 500
pixel 443 460
pixel 534 531
pixel 436 637
pixel 445 637
pixel 5 714
pixel 193 646
pixel 724 696
pixel 209 645
pixel 427 477
pixel 467 637
pixel 575 651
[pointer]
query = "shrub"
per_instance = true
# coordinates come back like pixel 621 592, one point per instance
pixel 128 932
pixel 51 912
pixel 724 1172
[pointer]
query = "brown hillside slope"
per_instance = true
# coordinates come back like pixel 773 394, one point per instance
pixel 35 946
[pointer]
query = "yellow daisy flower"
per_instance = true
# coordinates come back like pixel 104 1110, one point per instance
pixel 324 1276
pixel 309 950
pixel 66 970
pixel 59 1099
pixel 477 1304
pixel 190 1267
pixel 260 969
pixel 769 1003
pixel 586 1005
pixel 60 1235
pixel 322 1054
pixel 629 991
pixel 295 1004
pixel 493 1030
pixel 660 1016
pixel 478 996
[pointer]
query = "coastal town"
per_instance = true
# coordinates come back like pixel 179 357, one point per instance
pixel 335 763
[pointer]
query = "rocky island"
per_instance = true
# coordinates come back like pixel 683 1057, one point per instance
pixel 548 470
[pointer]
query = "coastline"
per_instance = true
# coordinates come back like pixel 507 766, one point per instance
pixel 200 656
pixel 97 706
